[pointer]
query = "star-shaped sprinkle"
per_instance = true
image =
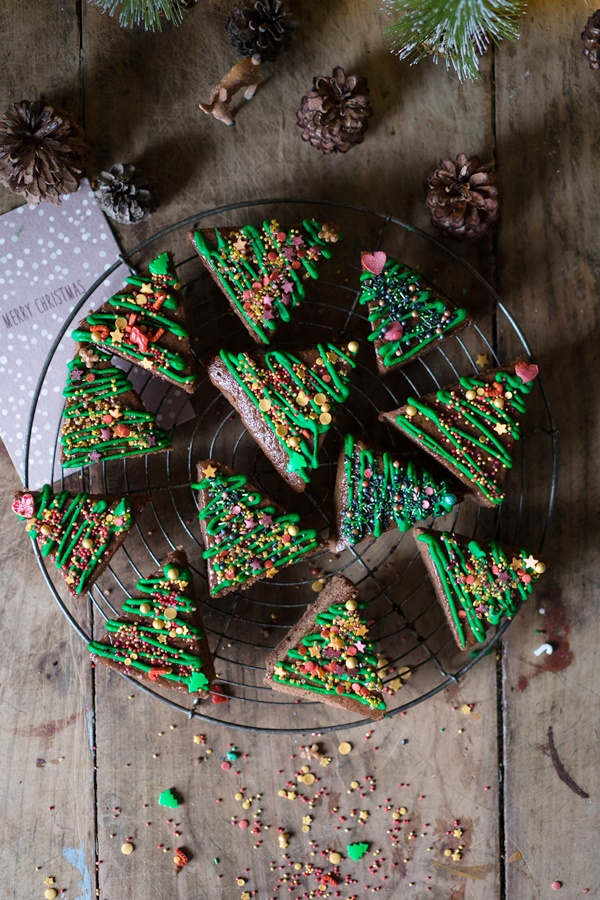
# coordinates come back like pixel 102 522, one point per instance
pixel 516 563
pixel 94 456
pixel 209 471
pixel 106 434
pixel 147 364
pixel 501 428
pixel 482 360
pixel 241 243
pixel 117 336
pixel 266 519
pixel 359 646
pixel 314 650
pixel 76 374
pixel 198 738
pixel 530 562
pixel 151 441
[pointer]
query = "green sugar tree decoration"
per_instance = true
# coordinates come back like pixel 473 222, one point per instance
pixel 458 31
pixel 149 13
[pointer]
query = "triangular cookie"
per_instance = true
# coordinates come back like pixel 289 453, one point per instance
pixel 287 400
pixel 146 324
pixel 160 638
pixel 247 537
pixel 262 270
pixel 104 417
pixel 477 584
pixel 376 491
pixel 471 427
pixel 328 655
pixel 80 531
pixel 409 317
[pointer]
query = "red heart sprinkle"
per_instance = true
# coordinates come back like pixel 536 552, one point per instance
pixel 217 693
pixel 374 262
pixel 526 371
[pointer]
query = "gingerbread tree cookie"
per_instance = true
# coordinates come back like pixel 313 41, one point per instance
pixel 408 316
pixel 287 400
pixel 262 270
pixel 471 427
pixel 247 537
pixel 104 417
pixel 328 655
pixel 160 638
pixel 377 490
pixel 476 584
pixel 80 531
pixel 146 324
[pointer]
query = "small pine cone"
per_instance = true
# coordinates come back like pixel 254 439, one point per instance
pixel 260 27
pixel 124 194
pixel 591 40
pixel 333 116
pixel 463 197
pixel 42 151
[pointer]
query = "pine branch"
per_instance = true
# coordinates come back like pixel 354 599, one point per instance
pixel 148 13
pixel 457 30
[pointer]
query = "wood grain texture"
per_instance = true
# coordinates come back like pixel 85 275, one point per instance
pixel 137 95
pixel 549 269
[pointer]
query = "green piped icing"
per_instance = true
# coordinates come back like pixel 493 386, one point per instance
pixel 407 315
pixel 130 323
pixel 383 491
pixel 165 646
pixel 248 538
pixel 296 400
pixel 482 583
pixel 319 664
pixel 65 522
pixel 261 270
pixel 97 424
pixel 477 423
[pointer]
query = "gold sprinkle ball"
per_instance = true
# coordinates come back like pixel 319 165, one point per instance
pixel 145 608
pixel 172 574
pixel 411 411
pixel 353 346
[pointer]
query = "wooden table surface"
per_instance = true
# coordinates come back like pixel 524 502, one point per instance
pixel 85 756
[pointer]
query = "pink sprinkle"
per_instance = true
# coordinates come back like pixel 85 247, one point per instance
pixel 243 823
pixel 225 764
pixel 556 885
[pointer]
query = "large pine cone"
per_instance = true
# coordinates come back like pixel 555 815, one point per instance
pixel 124 194
pixel 591 40
pixel 42 151
pixel 333 116
pixel 463 197
pixel 260 26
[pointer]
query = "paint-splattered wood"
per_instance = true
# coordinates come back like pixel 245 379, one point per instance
pixel 549 269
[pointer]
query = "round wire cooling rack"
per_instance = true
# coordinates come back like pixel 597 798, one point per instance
pixel 419 657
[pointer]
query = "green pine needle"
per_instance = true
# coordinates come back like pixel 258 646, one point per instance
pixel 148 13
pixel 457 30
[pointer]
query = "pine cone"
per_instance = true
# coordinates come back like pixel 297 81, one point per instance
pixel 591 40
pixel 260 26
pixel 333 116
pixel 463 197
pixel 124 194
pixel 42 151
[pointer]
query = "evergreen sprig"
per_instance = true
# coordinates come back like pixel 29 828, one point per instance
pixel 149 13
pixel 458 31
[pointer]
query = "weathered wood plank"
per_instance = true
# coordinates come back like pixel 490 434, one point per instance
pixel 548 271
pixel 47 778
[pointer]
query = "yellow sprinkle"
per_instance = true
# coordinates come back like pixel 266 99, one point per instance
pixel 170 613
pixel 318 586
pixel 354 784
pixel 50 893
pixel 353 347
pixel 351 605
pixel 410 411
pixel 145 608
pixel 281 430
pixel 335 858
pixel 239 796
pixel 447 852
pixel 293 530
pixel 309 778
pixel 540 568
pixel 403 810
pixel 306 829
pixel 325 418
pixel 344 748
pixel 127 848
pixel 265 405
pixel 241 881
pixel 319 399
pixel 156 623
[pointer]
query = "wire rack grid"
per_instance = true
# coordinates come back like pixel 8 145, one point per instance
pixel 420 658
